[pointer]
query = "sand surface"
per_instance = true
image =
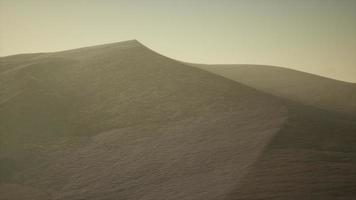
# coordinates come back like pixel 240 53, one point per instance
pixel 119 121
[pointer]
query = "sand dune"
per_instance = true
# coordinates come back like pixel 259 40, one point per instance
pixel 313 156
pixel 310 89
pixel 119 121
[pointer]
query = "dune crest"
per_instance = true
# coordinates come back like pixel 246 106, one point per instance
pixel 119 121
pixel 305 88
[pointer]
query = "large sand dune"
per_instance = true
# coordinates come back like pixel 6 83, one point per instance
pixel 295 85
pixel 119 121
pixel 314 155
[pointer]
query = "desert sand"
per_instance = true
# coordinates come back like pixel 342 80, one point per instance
pixel 302 87
pixel 120 121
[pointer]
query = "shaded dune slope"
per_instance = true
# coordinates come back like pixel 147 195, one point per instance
pixel 305 88
pixel 313 156
pixel 119 121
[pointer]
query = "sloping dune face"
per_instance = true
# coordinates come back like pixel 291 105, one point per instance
pixel 119 121
pixel 313 156
pixel 298 86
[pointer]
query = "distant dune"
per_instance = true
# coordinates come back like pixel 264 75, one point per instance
pixel 313 155
pixel 298 86
pixel 119 121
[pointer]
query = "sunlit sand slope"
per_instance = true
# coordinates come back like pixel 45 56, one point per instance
pixel 120 121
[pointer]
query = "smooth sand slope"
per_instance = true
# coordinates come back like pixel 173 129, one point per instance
pixel 298 86
pixel 119 121
pixel 314 155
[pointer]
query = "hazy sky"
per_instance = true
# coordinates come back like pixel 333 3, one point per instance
pixel 317 36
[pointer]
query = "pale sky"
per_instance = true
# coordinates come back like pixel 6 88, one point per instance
pixel 316 36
